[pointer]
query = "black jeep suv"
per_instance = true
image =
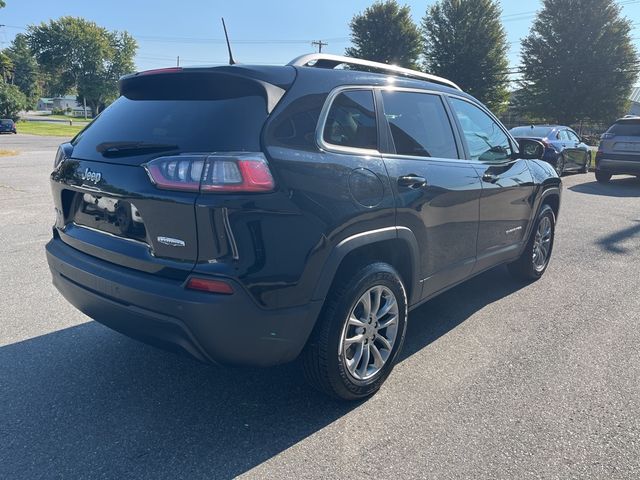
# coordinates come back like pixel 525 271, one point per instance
pixel 252 214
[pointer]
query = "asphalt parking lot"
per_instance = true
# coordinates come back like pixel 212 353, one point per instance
pixel 498 379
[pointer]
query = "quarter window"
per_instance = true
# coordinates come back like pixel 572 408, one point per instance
pixel 352 121
pixel 419 124
pixel 486 141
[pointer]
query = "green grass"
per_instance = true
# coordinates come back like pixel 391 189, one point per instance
pixel 51 129
pixel 65 117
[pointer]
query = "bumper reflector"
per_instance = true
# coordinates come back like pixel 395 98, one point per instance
pixel 209 286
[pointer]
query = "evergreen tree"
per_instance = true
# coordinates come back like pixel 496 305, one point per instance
pixel 578 62
pixel 466 43
pixel 385 33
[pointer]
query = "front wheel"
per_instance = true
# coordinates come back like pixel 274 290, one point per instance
pixel 587 163
pixel 359 334
pixel 560 163
pixel 534 260
pixel 602 177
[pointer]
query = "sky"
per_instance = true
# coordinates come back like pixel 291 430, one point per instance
pixel 265 32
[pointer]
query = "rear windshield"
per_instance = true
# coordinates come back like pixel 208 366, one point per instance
pixel 6 122
pixel 625 129
pixel 230 124
pixel 538 132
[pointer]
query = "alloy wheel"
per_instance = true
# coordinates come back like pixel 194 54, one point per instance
pixel 370 332
pixel 542 244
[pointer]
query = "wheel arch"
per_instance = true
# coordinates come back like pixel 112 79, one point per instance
pixel 394 245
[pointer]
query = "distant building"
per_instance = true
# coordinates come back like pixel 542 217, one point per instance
pixel 58 103
pixel 635 102
pixel 45 104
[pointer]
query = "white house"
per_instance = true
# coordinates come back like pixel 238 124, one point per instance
pixel 635 102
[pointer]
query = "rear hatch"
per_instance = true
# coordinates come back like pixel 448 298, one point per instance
pixel 125 188
pixel 622 140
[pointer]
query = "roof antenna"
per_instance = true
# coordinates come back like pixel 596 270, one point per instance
pixel 231 60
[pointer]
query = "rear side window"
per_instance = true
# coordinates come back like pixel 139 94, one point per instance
pixel 625 129
pixel 419 124
pixel 351 121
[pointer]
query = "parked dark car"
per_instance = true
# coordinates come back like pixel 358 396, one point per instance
pixel 7 126
pixel 619 150
pixel 563 148
pixel 251 214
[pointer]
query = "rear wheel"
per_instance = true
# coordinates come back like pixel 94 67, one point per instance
pixel 359 334
pixel 534 260
pixel 602 177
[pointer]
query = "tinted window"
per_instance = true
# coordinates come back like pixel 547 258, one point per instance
pixel 193 125
pixel 419 124
pixel 535 132
pixel 6 122
pixel 485 139
pixel 625 129
pixel 352 121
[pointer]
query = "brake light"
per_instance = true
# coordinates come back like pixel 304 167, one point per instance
pixel 209 286
pixel 216 173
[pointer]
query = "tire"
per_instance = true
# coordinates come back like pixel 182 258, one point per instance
pixel 560 164
pixel 530 266
pixel 585 169
pixel 331 364
pixel 602 177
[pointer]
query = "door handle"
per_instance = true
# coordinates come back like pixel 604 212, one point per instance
pixel 412 181
pixel 490 177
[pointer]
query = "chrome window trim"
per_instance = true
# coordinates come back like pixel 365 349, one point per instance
pixel 322 120
pixel 324 113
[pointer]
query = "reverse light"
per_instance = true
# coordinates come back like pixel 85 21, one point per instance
pixel 209 286
pixel 216 173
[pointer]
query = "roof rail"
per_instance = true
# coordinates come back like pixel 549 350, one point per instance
pixel 324 60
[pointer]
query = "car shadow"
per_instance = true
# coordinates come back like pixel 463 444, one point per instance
pixel 614 242
pixel 86 402
pixel 626 187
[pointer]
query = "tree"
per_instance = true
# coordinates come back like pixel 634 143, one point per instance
pixel 6 67
pixel 466 43
pixel 78 55
pixel 578 62
pixel 12 101
pixel 25 69
pixel 385 33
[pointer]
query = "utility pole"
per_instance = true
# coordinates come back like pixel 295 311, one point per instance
pixel 178 62
pixel 319 44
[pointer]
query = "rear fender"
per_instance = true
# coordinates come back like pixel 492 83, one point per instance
pixel 348 245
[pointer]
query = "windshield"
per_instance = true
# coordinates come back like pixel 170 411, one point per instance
pixel 6 122
pixel 535 132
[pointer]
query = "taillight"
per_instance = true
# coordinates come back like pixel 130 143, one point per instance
pixel 215 173
pixel 59 158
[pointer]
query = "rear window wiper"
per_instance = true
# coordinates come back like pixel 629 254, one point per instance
pixel 120 149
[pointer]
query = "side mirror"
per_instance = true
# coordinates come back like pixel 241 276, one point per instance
pixel 530 149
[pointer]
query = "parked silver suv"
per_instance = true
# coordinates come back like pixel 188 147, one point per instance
pixel 619 150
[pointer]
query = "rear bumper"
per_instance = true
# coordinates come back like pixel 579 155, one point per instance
pixel 630 166
pixel 226 329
